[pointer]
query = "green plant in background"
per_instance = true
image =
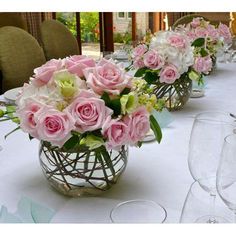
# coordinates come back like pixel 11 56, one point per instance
pixel 89 24
pixel 68 19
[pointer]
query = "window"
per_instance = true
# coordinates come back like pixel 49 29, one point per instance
pixel 121 15
pixel 129 15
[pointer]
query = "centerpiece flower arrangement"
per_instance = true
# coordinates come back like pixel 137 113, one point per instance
pixel 85 114
pixel 166 65
pixel 208 40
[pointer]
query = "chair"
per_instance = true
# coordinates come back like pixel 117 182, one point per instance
pixel 186 19
pixel 13 19
pixel 57 40
pixel 20 53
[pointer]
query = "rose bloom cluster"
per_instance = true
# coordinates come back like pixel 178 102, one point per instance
pixel 169 54
pixel 214 39
pixel 66 97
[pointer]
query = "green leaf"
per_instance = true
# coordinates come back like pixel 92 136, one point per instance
pixel 150 77
pixel 17 128
pixel 203 52
pixel 155 128
pixel 125 91
pixel 114 104
pixel 107 159
pixel 140 72
pixel 105 97
pixel 10 110
pixel 72 142
pixel 199 42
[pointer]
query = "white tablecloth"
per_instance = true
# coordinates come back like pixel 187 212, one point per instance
pixel 157 172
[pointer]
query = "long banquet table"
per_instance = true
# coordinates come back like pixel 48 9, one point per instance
pixel 157 172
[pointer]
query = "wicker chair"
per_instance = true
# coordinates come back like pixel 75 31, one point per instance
pixel 13 19
pixel 20 53
pixel 186 19
pixel 57 40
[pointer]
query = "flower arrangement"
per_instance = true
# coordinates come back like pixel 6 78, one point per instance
pixel 75 102
pixel 168 56
pixel 207 40
pixel 166 65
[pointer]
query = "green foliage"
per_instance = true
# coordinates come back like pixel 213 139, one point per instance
pixel 156 128
pixel 114 104
pixel 88 23
pixel 203 52
pixel 199 42
pixel 150 77
pixel 69 20
pixel 122 38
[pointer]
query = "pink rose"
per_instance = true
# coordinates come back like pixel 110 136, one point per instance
pixel 88 111
pixel 139 125
pixel 138 63
pixel 44 73
pixel 107 77
pixel 77 63
pixel 203 64
pixel 153 60
pixel 195 22
pixel 116 132
pixel 212 32
pixel 201 32
pixel 169 74
pixel 27 116
pixel 191 35
pixel 139 50
pixel 224 32
pixel 54 126
pixel 177 41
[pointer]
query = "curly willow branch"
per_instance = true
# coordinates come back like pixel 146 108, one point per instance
pixel 79 173
pixel 176 94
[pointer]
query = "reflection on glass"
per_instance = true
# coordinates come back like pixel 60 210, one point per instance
pixel 207 137
pixel 138 211
pixel 226 174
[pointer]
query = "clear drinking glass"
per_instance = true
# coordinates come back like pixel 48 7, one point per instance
pixel 226 174
pixel 138 211
pixel 207 137
pixel 196 205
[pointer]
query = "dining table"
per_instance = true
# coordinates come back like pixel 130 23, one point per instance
pixel 156 172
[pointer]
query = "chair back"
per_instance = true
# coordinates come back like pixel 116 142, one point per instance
pixel 20 53
pixel 13 19
pixel 57 40
pixel 186 19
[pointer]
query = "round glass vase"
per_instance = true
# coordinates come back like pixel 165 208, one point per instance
pixel 176 94
pixel 82 172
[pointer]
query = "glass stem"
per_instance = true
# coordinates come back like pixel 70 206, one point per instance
pixel 212 208
pixel 235 216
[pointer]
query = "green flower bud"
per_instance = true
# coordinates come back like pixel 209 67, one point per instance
pixel 1 113
pixel 66 82
pixel 193 75
pixel 129 103
pixel 92 141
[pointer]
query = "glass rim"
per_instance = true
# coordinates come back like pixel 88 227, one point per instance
pixel 209 119
pixel 226 139
pixel 139 200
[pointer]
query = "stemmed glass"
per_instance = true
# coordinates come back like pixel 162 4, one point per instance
pixel 207 137
pixel 226 174
pixel 138 211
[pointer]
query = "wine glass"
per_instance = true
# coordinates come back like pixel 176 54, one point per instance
pixel 196 205
pixel 226 174
pixel 207 137
pixel 138 211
